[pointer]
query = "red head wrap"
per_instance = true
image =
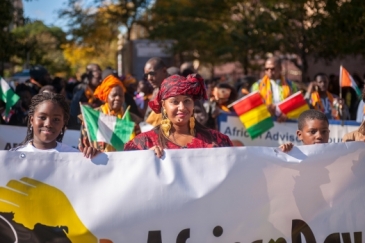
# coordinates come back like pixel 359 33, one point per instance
pixel 103 90
pixel 193 85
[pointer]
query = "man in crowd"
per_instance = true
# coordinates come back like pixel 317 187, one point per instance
pixel 19 114
pixel 321 99
pixel 39 77
pixel 173 71
pixel 155 72
pixel 84 93
pixel 359 134
pixel 187 68
pixel 273 87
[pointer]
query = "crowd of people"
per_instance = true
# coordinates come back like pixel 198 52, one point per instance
pixel 180 105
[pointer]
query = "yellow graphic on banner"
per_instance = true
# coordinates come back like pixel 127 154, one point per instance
pixel 41 210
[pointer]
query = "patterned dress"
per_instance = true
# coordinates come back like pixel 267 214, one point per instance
pixel 147 140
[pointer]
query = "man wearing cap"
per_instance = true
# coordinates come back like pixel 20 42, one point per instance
pixel 39 77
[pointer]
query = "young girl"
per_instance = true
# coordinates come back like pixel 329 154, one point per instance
pixel 47 119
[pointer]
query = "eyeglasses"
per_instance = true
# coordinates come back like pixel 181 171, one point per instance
pixel 271 69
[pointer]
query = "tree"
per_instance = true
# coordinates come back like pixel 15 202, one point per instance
pixel 323 29
pixel 198 28
pixel 85 21
pixel 92 36
pixel 252 34
pixel 345 28
pixel 79 56
pixel 40 44
pixel 243 31
pixel 94 29
pixel 6 38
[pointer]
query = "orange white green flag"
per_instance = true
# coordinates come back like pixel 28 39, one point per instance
pixel 347 81
pixel 253 113
pixel 294 105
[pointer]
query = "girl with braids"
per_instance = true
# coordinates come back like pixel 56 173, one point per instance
pixel 178 128
pixel 47 119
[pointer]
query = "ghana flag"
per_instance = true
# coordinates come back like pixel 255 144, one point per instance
pixel 254 115
pixel 294 105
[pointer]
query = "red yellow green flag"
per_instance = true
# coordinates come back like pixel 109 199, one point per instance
pixel 294 105
pixel 254 115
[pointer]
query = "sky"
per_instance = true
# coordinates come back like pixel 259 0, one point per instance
pixel 45 10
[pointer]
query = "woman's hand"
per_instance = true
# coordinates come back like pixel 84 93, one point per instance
pixel 271 108
pixel 286 147
pixel 88 151
pixel 158 151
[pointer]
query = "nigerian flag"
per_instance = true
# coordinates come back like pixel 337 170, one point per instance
pixel 105 128
pixel 7 95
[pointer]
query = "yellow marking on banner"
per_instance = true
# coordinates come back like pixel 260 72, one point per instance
pixel 34 202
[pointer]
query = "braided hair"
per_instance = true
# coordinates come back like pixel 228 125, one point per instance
pixel 38 99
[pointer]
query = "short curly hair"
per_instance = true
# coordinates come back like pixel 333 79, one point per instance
pixel 310 115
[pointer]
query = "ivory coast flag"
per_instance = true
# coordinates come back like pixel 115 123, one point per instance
pixel 347 81
pixel 7 95
pixel 254 115
pixel 294 105
pixel 105 128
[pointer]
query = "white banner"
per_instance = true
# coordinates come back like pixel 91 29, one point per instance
pixel 220 195
pixel 11 136
pixel 230 125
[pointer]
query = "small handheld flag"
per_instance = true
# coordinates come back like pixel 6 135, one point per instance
pixel 347 81
pixel 253 114
pixel 105 128
pixel 7 95
pixel 294 105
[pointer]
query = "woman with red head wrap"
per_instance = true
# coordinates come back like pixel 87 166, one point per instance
pixel 178 128
pixel 111 91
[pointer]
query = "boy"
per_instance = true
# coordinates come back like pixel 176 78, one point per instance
pixel 313 128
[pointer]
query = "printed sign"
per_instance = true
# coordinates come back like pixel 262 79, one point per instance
pixel 11 136
pixel 251 194
pixel 230 125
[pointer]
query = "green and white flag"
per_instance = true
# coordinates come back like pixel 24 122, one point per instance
pixel 105 128
pixel 7 95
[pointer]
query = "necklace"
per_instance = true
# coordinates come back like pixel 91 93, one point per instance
pixel 173 140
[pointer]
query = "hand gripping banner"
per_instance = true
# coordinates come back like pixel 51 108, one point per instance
pixel 220 195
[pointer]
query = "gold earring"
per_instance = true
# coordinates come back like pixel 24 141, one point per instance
pixel 192 126
pixel 165 124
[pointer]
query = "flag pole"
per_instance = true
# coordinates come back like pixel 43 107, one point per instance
pixel 340 80
pixel 87 129
pixel 341 106
pixel 126 110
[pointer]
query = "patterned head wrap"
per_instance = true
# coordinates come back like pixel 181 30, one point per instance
pixel 103 90
pixel 193 85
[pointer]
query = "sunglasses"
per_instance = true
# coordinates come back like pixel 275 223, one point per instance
pixel 271 69
pixel 152 73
